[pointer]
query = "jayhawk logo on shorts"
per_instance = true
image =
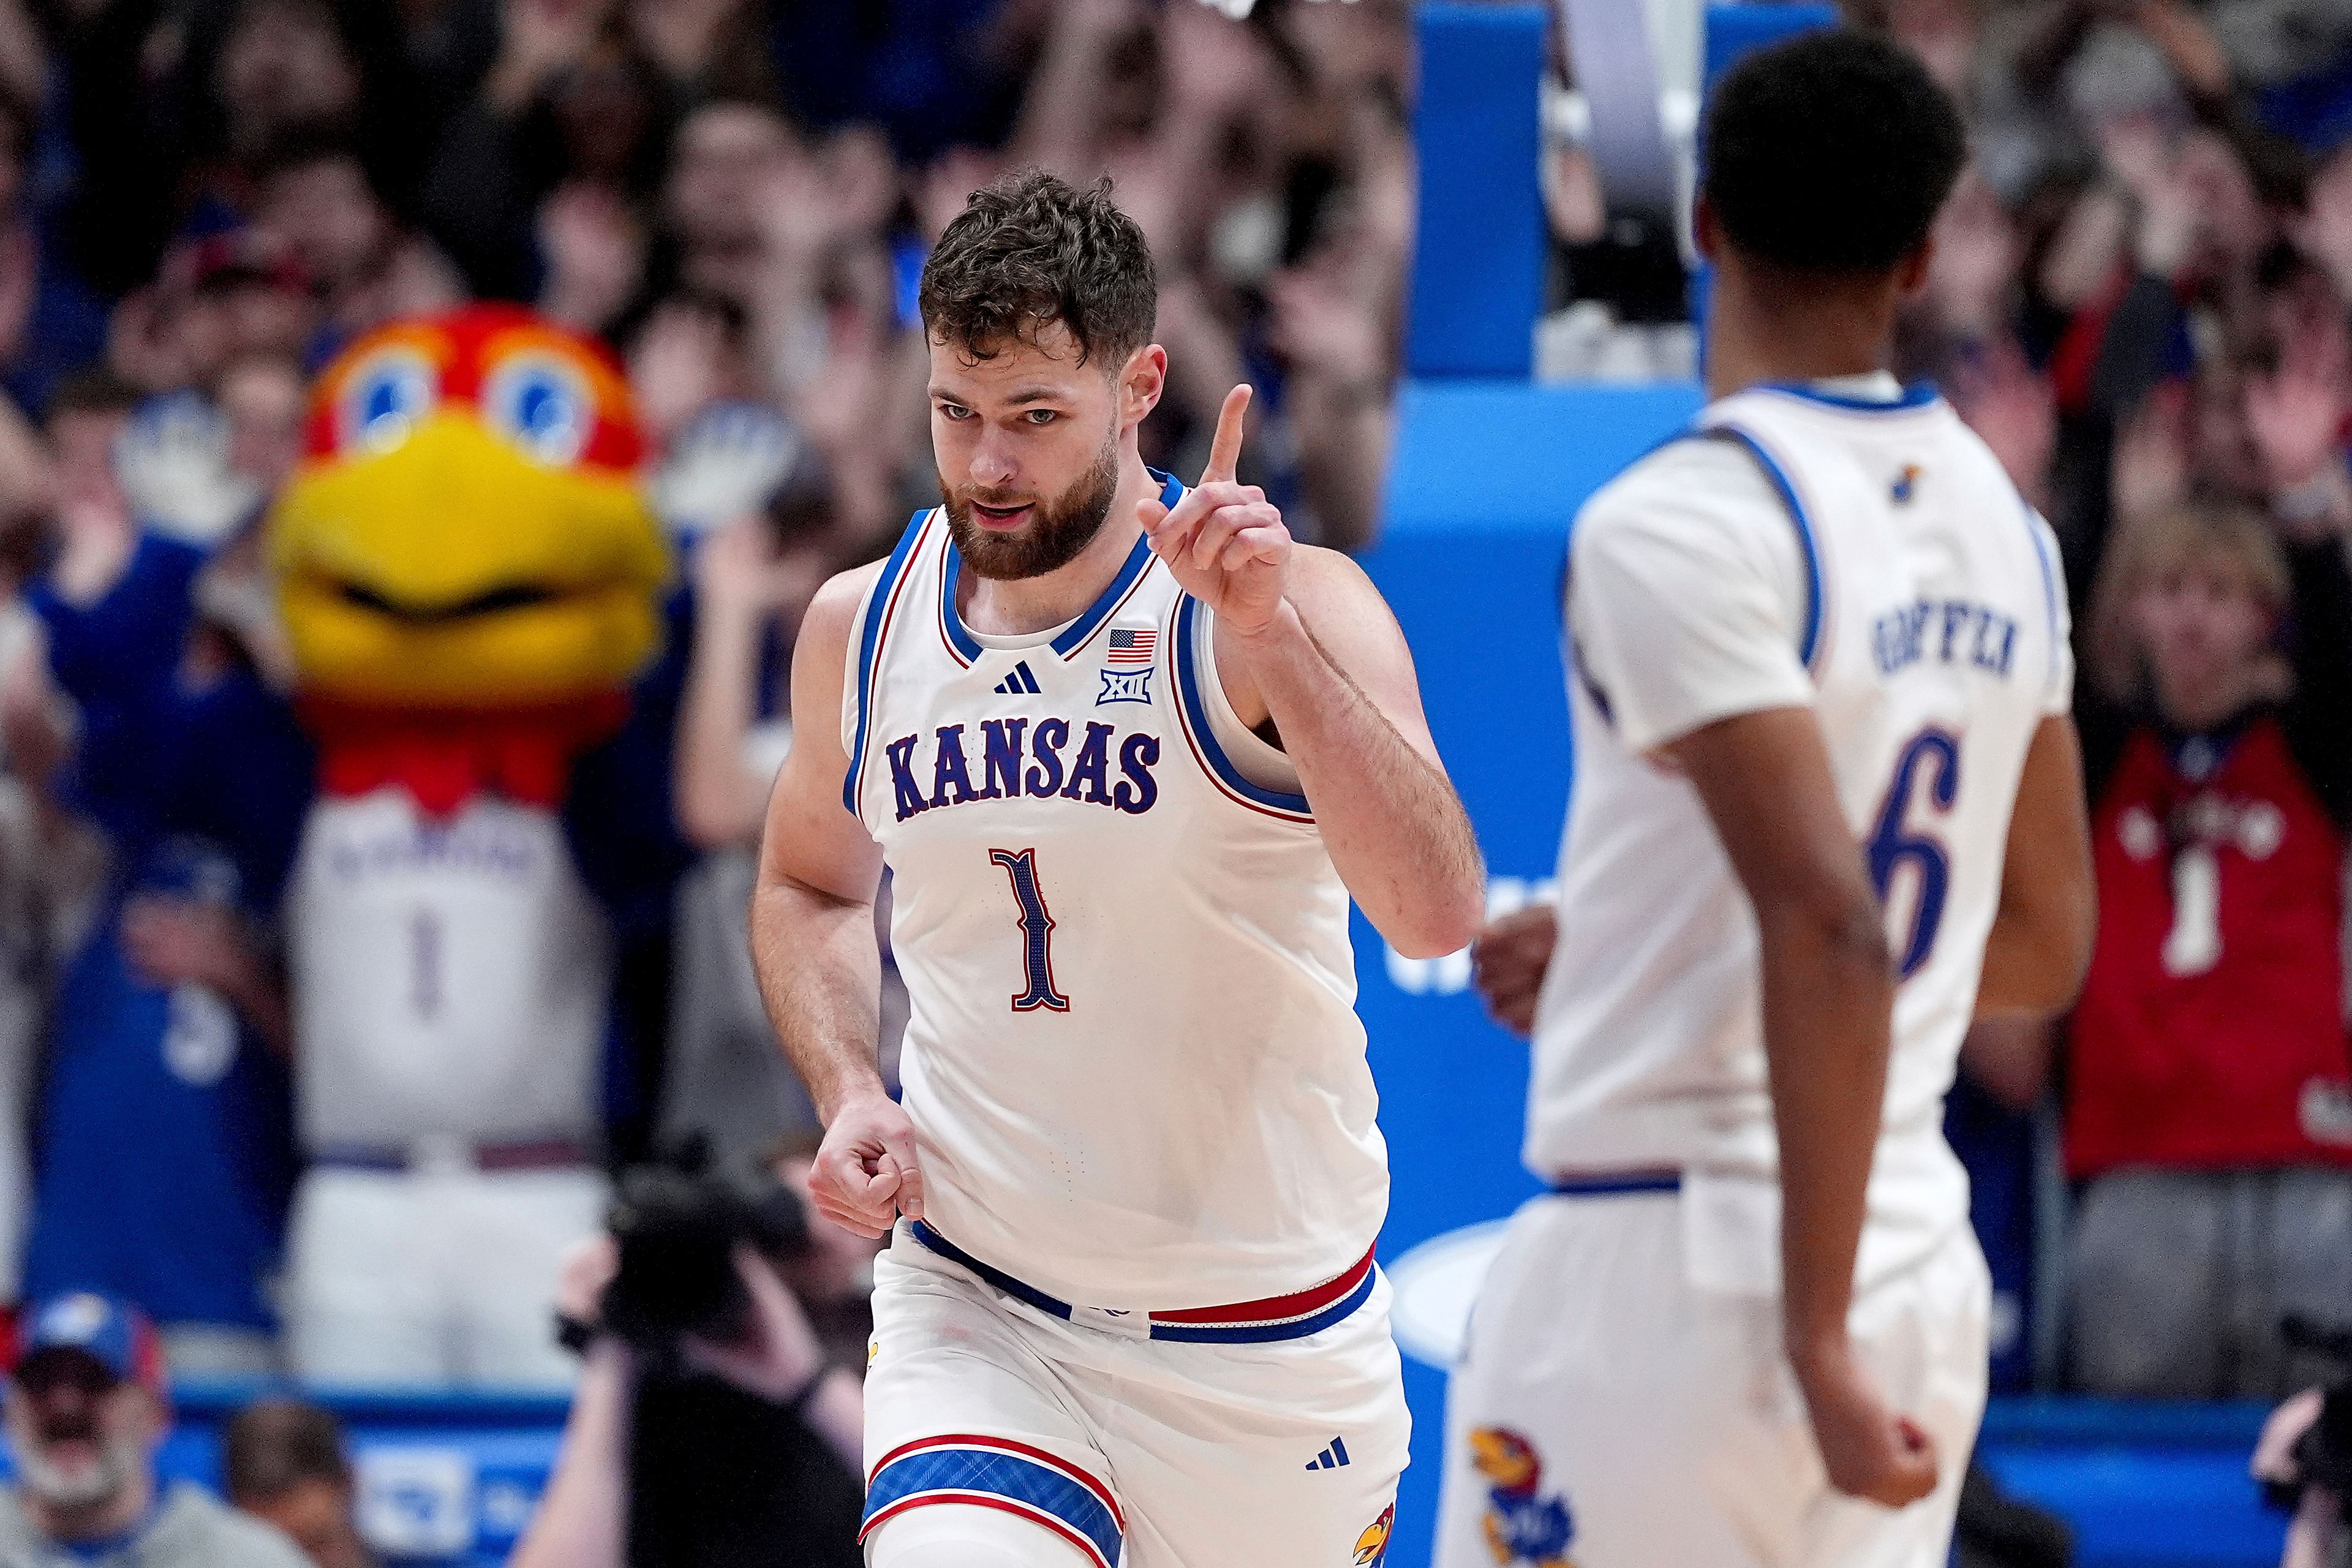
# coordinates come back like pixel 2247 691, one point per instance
pixel 1372 1546
pixel 1521 1525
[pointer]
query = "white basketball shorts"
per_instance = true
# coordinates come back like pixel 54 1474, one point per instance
pixel 1610 1412
pixel 1142 1440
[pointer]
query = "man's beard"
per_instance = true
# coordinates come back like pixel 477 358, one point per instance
pixel 1058 531
pixel 118 1459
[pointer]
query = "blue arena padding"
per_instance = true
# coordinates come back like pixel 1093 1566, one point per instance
pixel 2146 1486
pixel 1477 273
pixel 1486 478
pixel 1734 29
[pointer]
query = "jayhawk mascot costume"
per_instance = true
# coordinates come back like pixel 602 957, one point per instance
pixel 469 576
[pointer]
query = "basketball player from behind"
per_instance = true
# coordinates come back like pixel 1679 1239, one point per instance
pixel 1126 749
pixel 1827 809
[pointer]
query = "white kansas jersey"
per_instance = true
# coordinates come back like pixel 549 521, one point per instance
pixel 1133 1057
pixel 1847 547
pixel 449 976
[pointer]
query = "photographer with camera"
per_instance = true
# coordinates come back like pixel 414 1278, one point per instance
pixel 707 1430
pixel 2303 1458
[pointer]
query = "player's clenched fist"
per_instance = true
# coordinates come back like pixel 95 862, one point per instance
pixel 866 1173
pixel 1868 1449
pixel 1507 962
pixel 1225 541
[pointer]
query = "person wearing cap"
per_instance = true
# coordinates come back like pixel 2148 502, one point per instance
pixel 86 1410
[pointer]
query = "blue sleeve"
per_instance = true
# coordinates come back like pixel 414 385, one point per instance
pixel 246 774
pixel 120 648
pixel 116 659
pixel 618 815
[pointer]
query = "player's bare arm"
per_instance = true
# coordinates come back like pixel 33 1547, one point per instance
pixel 2040 947
pixel 812 940
pixel 1829 998
pixel 1305 639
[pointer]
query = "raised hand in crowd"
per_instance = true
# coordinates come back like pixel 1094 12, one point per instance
pixel 173 462
pixel 740 574
pixel 2170 220
pixel 1337 347
pixel 594 249
pixel 24 63
pixel 1972 268
pixel 20 279
pixel 743 585
pixel 678 365
pixel 2323 229
pixel 2150 465
pixel 173 941
pixel 680 36
pixel 2010 405
pixel 28 482
pixel 2295 416
pixel 96 530
pixel 942 188
pixel 37 728
pixel 537 39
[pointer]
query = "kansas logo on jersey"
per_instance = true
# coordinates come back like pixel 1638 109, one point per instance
pixel 1018 759
pixel 1372 1546
pixel 1522 1525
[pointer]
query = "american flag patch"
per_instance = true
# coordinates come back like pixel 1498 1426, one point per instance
pixel 1130 647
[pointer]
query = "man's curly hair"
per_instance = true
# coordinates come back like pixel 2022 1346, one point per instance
pixel 1029 250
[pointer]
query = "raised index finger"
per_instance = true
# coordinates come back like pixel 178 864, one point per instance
pixel 1226 449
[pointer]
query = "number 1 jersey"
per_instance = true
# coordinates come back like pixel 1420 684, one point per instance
pixel 1847 547
pixel 1132 1057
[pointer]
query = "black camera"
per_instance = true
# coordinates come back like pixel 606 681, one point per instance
pixel 678 1221
pixel 2323 1455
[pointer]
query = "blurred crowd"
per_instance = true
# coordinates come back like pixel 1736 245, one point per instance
pixel 201 202
pixel 2141 297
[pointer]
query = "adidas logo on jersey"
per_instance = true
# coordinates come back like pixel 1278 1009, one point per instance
pixel 1020 683
pixel 1330 1459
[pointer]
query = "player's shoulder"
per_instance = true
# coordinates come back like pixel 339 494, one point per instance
pixel 831 616
pixel 1329 574
pixel 1335 592
pixel 1696 484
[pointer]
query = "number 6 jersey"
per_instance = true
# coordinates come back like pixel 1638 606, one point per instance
pixel 1848 547
pixel 1133 1057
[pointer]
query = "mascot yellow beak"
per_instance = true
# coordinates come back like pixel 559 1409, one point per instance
pixel 429 558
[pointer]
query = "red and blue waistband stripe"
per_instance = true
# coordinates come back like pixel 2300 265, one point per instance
pixel 1000 1473
pixel 1290 1317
